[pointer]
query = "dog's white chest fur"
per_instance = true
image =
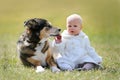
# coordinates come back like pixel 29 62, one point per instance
pixel 39 55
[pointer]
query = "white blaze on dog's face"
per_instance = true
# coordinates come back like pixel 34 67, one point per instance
pixel 48 31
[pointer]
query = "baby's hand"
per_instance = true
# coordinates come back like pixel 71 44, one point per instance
pixel 58 39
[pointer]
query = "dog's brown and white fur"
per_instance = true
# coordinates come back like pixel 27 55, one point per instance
pixel 33 46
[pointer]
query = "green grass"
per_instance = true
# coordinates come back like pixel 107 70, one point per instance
pixel 101 24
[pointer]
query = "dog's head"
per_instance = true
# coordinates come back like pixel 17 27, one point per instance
pixel 41 28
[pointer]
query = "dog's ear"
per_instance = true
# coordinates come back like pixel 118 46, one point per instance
pixel 31 23
pixel 41 23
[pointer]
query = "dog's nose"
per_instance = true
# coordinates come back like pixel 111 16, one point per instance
pixel 59 29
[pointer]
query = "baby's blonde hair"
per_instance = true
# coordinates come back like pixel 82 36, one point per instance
pixel 74 16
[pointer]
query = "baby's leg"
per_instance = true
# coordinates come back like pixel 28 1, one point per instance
pixel 65 67
pixel 88 66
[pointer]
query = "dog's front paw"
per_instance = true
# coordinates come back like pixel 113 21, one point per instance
pixel 55 69
pixel 40 69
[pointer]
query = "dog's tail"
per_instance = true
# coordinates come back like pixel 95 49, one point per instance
pixel 23 58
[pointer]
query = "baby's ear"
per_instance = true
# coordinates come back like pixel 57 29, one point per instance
pixel 81 27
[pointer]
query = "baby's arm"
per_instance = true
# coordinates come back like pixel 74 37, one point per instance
pixel 58 45
pixel 91 51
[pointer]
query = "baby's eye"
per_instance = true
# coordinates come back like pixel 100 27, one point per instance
pixel 69 26
pixel 75 25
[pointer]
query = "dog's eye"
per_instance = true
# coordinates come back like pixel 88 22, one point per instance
pixel 47 28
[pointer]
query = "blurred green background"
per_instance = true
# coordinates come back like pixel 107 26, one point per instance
pixel 101 22
pixel 99 16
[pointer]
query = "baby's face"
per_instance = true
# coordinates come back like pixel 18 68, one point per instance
pixel 74 27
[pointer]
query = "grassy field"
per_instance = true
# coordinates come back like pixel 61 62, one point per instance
pixel 101 23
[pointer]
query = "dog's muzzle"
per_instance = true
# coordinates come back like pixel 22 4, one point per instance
pixel 56 32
